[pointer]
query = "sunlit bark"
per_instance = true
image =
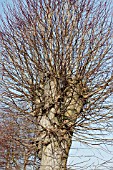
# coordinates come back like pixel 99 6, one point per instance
pixel 57 75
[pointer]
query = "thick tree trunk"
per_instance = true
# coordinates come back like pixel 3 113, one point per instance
pixel 55 121
pixel 54 155
pixel 56 125
pixel 54 144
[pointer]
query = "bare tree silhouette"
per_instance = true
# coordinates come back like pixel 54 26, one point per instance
pixel 57 74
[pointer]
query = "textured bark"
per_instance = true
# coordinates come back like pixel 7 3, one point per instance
pixel 55 138
pixel 55 156
pixel 54 144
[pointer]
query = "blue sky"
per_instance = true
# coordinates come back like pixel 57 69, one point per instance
pixel 81 151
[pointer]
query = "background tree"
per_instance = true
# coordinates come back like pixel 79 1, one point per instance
pixel 16 150
pixel 57 74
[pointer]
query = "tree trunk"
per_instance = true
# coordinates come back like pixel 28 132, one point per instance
pixel 54 144
pixel 56 129
pixel 55 155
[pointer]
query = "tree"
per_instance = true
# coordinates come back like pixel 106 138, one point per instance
pixel 8 148
pixel 57 73
pixel 16 152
